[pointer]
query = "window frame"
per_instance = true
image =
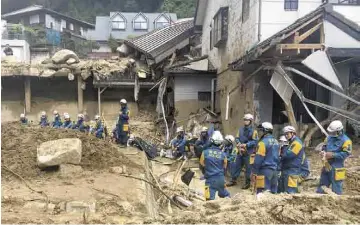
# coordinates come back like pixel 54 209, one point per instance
pixel 117 21
pixel 220 28
pixel 291 5
pixel 204 95
pixel 156 22
pixel 140 22
pixel 37 19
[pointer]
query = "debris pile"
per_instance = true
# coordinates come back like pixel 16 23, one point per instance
pixel 19 149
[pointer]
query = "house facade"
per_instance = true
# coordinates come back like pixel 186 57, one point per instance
pixel 231 29
pixel 122 26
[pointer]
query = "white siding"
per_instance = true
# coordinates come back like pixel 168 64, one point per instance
pixel 63 25
pixel 334 34
pixel 351 12
pixel 48 20
pixel 187 87
pixel 34 19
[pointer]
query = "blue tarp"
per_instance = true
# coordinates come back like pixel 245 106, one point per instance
pixel 53 37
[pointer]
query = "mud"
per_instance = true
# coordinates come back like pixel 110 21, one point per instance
pixel 19 146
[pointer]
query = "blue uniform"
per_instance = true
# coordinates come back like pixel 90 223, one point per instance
pixel 179 144
pixel 122 126
pixel 341 147
pixel 291 161
pixel 214 162
pixel 43 121
pixel 57 123
pixel 67 124
pixel 231 153
pixel 201 144
pixel 249 136
pixel 266 164
pixel 99 129
pixel 80 125
pixel 24 121
pixel 305 168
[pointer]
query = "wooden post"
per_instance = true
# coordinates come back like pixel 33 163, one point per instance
pixel 27 94
pixel 291 115
pixel 80 94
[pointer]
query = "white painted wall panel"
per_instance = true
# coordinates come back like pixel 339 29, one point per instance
pixel 187 87
pixel 351 12
pixel 334 34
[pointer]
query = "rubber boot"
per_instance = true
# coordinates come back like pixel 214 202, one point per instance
pixel 247 184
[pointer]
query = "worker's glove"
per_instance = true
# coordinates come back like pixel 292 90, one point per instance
pixel 329 155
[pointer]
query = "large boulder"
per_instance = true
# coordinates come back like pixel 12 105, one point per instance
pixel 57 152
pixel 63 56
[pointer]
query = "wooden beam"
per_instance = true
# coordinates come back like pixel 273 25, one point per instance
pixel 296 38
pixel 80 94
pixel 291 115
pixel 298 46
pixel 322 34
pixel 27 94
pixel 309 32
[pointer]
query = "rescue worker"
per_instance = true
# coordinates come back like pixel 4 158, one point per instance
pixel 123 123
pixel 67 121
pixel 231 152
pixel 304 169
pixel 43 120
pixel 291 160
pixel 246 140
pixel 178 143
pixel 80 124
pixel 99 128
pixel 337 147
pixel 264 171
pixel 23 119
pixel 283 146
pixel 202 143
pixel 8 51
pixel 214 163
pixel 57 123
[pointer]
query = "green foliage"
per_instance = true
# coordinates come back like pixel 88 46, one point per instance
pixel 131 36
pixel 183 8
pixel 113 44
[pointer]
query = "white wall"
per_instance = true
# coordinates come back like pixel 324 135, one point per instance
pixel 334 34
pixel 21 49
pixel 274 17
pixel 351 12
pixel 187 87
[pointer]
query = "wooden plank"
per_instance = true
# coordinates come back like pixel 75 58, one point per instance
pixel 296 38
pixel 298 46
pixel 291 115
pixel 27 94
pixel 80 95
pixel 309 32
pixel 322 34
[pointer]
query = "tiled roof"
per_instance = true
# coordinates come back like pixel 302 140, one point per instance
pixel 160 40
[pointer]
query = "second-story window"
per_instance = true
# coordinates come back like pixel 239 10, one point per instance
pixel 220 27
pixel 161 22
pixel 34 19
pixel 71 26
pixel 140 23
pixel 118 23
pixel 291 5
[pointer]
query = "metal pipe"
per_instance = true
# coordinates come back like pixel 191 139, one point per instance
pixel 259 21
pixel 213 94
pixel 322 85
pixel 227 106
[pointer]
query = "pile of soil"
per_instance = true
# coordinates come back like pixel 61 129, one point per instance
pixel 283 208
pixel 19 148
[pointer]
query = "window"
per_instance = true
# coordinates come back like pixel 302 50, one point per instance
pixel 245 10
pixel 220 27
pixel 291 5
pixel 204 96
pixel 81 31
pixel 71 26
pixel 161 22
pixel 118 23
pixel 34 19
pixel 140 23
pixel 349 2
pixel 63 25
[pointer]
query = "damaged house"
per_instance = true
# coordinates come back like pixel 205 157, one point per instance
pixel 301 75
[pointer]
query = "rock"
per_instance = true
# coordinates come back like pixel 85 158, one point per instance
pixel 114 57
pixel 57 152
pixel 71 76
pixel 116 169
pixel 39 206
pixel 67 170
pixel 126 206
pixel 46 61
pixel 79 206
pixel 47 73
pixel 63 72
pixel 63 55
pixel 71 61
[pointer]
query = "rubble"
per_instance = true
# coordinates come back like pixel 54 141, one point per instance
pixel 57 152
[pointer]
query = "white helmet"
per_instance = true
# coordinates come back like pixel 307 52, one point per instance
pixel 43 113
pixel 22 115
pixel 217 138
pixel 55 112
pixel 230 138
pixel 266 126
pixel 288 129
pixel 248 117
pixel 123 101
pixel 179 129
pixel 66 116
pixel 204 129
pixel 283 138
pixel 335 125
pixel 97 117
pixel 81 116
